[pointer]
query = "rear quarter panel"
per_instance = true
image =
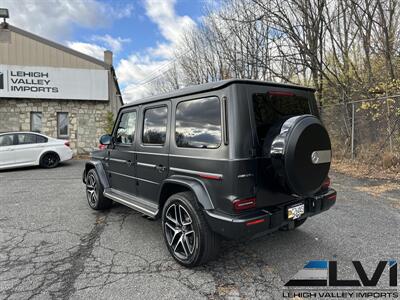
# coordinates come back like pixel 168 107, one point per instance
pixel 204 160
pixel 53 145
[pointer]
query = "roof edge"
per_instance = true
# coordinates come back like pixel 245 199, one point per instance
pixel 54 45
pixel 212 86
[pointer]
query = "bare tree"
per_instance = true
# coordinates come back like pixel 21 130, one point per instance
pixel 364 12
pixel 388 29
pixel 334 46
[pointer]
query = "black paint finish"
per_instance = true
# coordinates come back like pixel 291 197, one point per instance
pixel 230 167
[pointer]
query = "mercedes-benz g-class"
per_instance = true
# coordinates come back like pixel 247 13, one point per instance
pixel 230 159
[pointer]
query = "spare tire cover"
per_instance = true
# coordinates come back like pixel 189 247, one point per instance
pixel 301 154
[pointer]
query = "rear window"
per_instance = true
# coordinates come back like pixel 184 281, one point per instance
pixel 270 108
pixel 41 139
pixel 198 123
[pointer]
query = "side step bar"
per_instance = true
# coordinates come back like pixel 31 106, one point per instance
pixel 138 204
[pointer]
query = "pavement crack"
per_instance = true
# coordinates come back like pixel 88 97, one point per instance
pixel 78 258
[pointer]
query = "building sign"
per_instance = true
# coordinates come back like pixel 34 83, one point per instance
pixel 53 83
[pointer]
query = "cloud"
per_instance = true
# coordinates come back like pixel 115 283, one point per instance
pixel 55 19
pixel 113 44
pixel 93 50
pixel 101 44
pixel 138 68
pixel 171 26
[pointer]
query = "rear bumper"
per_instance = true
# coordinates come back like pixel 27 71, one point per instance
pixel 66 154
pixel 265 220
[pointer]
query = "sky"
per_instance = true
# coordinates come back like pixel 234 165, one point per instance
pixel 142 34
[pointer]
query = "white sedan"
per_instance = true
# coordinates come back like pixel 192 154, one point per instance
pixel 21 149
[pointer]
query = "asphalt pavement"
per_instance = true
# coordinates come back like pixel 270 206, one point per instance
pixel 53 246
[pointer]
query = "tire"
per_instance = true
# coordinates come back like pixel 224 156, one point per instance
pixel 300 154
pixel 49 160
pixel 297 224
pixel 187 235
pixel 94 192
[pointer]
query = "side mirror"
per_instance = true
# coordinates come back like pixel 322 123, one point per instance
pixel 105 139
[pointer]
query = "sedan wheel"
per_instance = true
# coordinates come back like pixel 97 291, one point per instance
pixel 50 160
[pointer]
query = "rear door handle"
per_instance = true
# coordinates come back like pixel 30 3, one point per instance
pixel 161 168
pixel 129 162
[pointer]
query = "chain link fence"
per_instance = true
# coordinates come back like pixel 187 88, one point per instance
pixel 365 130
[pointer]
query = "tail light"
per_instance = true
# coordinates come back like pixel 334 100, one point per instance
pixel 243 204
pixel 255 222
pixel 67 144
pixel 332 197
pixel 327 183
pixel 209 176
pixel 101 146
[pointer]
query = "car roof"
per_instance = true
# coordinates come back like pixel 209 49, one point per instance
pixel 15 132
pixel 211 86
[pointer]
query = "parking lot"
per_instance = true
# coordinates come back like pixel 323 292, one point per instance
pixel 52 245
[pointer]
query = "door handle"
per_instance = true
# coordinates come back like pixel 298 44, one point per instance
pixel 129 162
pixel 161 168
pixel 107 156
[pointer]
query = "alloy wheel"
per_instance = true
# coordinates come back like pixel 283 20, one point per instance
pixel 50 160
pixel 91 189
pixel 179 231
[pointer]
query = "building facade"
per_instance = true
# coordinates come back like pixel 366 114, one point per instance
pixel 49 88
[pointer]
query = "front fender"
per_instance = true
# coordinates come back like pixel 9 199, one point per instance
pixel 100 172
pixel 195 185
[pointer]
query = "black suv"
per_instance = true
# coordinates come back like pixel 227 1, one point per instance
pixel 230 159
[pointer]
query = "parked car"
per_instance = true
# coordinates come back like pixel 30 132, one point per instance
pixel 231 159
pixel 22 149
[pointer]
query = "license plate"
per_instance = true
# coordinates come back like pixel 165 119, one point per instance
pixel 296 211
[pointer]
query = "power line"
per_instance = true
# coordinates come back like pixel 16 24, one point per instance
pixel 149 77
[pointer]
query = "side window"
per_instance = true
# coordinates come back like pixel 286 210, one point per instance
pixel 6 140
pixel 155 125
pixel 26 138
pixel 126 128
pixel 41 139
pixel 198 123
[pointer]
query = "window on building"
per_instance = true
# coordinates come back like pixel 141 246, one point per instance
pixel 155 125
pixel 36 121
pixel 62 124
pixel 198 123
pixel 126 128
